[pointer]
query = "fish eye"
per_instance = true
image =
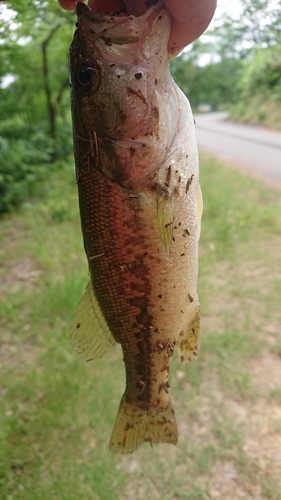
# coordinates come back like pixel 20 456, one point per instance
pixel 88 78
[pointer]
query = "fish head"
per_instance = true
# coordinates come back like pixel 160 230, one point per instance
pixel 117 63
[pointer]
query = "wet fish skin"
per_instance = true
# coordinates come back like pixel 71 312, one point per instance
pixel 140 205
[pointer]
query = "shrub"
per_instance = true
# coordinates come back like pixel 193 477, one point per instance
pixel 23 164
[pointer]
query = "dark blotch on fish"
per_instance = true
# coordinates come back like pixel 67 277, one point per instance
pixel 189 181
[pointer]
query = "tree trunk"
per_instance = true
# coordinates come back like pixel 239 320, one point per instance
pixel 51 105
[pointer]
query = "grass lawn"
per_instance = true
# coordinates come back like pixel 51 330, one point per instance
pixel 57 412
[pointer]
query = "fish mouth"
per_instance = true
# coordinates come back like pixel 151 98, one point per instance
pixel 118 27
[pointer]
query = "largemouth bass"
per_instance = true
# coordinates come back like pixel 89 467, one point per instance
pixel 140 205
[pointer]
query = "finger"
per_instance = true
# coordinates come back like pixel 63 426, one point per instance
pixel 190 18
pixel 105 5
pixel 99 5
pixel 136 8
pixel 68 4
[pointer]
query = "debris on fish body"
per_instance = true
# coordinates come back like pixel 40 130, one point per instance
pixel 140 205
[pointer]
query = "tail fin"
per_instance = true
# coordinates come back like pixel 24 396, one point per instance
pixel 133 426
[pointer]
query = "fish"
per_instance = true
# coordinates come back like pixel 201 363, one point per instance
pixel 140 207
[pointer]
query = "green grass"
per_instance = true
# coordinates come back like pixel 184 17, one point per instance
pixel 57 413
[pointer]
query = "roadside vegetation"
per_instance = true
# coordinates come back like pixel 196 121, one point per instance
pixel 57 412
pixel 260 89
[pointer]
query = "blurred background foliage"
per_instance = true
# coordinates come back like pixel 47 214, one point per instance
pixel 236 63
pixel 235 66
pixel 35 122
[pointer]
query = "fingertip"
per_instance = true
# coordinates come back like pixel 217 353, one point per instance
pixel 68 4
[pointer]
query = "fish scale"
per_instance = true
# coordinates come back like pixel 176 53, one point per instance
pixel 123 292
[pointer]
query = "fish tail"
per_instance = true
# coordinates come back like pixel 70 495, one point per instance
pixel 134 426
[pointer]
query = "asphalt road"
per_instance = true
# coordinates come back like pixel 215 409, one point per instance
pixel 256 149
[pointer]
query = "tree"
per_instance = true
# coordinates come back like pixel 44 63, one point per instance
pixel 35 123
pixel 258 26
pixel 227 50
pixel 34 47
pixel 214 83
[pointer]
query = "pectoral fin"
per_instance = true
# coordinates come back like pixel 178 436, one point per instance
pixel 89 334
pixel 189 346
pixel 165 217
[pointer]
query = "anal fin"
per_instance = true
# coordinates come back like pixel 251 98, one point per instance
pixel 89 333
pixel 190 344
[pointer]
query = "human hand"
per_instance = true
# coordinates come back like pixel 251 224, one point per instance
pixel 190 18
